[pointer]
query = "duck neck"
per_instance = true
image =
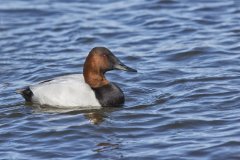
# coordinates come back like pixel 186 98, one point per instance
pixel 94 77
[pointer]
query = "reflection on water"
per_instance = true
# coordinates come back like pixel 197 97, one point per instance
pixel 93 114
pixel 95 117
pixel 105 146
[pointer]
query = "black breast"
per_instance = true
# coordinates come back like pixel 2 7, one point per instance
pixel 109 95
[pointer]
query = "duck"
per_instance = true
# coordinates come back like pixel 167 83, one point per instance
pixel 91 88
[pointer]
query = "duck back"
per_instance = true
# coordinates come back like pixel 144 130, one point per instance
pixel 67 91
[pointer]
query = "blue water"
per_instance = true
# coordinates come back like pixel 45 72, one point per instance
pixel 182 104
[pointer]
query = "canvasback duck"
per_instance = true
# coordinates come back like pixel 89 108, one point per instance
pixel 81 90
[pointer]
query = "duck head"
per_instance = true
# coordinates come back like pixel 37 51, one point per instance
pixel 98 62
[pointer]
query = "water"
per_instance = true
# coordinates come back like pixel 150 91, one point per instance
pixel 183 103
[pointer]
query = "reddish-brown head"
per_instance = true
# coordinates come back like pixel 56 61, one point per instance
pixel 99 61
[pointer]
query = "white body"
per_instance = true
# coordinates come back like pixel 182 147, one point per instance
pixel 65 91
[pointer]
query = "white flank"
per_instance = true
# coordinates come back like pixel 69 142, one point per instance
pixel 65 91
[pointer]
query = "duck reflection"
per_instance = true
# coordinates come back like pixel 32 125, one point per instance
pixel 95 115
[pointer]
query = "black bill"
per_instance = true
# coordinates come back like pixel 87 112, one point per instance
pixel 123 67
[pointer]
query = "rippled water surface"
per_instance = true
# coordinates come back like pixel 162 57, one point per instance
pixel 184 102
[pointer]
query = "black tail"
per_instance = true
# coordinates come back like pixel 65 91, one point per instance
pixel 26 93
